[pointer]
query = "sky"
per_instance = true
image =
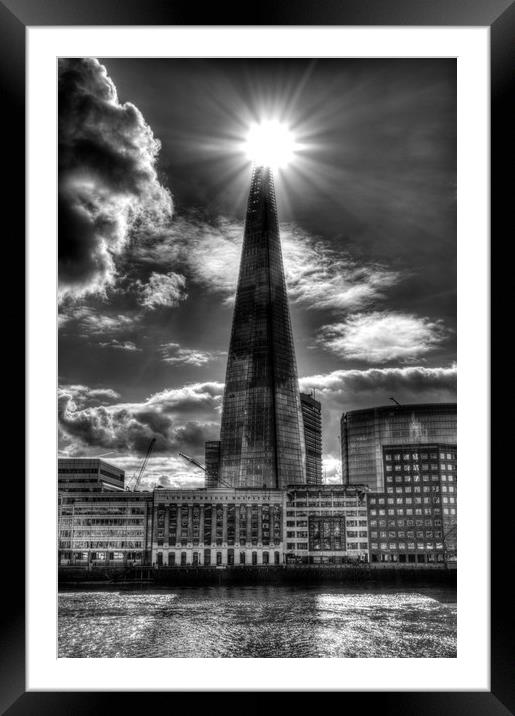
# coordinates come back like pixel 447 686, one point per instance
pixel 153 181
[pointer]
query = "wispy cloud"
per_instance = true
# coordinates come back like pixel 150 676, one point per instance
pixel 382 336
pixel 318 277
pixel 129 346
pixel 89 321
pixel 174 354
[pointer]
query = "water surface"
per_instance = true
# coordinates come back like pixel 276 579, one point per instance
pixel 258 621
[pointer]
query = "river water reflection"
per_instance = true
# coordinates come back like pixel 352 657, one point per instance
pixel 259 621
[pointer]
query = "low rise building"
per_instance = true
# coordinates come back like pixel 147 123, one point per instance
pixel 326 524
pixel 104 528
pixel 220 527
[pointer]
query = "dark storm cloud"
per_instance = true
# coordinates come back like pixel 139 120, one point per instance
pixel 128 427
pixel 108 183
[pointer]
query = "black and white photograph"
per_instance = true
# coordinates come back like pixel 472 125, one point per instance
pixel 257 319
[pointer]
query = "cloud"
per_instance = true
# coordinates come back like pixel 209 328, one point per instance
pixel 342 390
pixel 163 290
pixel 318 277
pixel 179 419
pixel 382 336
pixel 173 354
pixel 129 346
pixel 182 419
pixel 80 396
pixel 108 183
pixel 88 321
pixel 321 278
pixel 409 383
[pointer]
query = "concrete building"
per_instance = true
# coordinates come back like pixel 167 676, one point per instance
pixel 221 527
pixel 414 519
pixel 104 528
pixel 88 475
pixel 326 524
pixel 312 419
pixel 364 433
pixel 261 436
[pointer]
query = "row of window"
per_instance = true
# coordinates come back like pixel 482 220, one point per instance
pixel 403 546
pixel 410 533
pixel 421 456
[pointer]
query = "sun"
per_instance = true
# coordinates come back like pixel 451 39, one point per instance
pixel 270 143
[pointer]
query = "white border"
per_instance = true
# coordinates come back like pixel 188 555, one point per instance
pixel 470 670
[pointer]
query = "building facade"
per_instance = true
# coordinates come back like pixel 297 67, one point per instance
pixel 89 475
pixel 104 528
pixel 414 519
pixel 222 527
pixel 312 419
pixel 364 433
pixel 326 524
pixel 261 436
pixel 212 460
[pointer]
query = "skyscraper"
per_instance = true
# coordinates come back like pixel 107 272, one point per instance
pixel 261 438
pixel 312 418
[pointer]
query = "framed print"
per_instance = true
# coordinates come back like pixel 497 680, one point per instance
pixel 257 260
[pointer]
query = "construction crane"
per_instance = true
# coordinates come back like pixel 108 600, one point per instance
pixel 193 461
pixel 142 467
pixel 203 467
pixel 395 401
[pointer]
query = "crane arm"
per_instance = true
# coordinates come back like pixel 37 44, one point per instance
pixel 202 467
pixel 143 464
pixel 193 461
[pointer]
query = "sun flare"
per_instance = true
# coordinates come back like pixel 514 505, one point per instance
pixel 270 143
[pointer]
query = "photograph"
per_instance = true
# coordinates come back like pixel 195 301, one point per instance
pixel 257 406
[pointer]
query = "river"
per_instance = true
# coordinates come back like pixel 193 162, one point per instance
pixel 259 621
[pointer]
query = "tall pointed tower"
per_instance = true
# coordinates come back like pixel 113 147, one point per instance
pixel 261 439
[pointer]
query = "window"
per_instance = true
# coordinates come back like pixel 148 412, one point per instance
pixel 266 557
pixel 254 558
pixel 242 557
pixel 218 559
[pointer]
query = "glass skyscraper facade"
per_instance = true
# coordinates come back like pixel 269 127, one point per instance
pixel 312 417
pixel 364 434
pixel 261 437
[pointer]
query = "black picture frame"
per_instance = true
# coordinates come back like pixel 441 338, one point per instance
pixel 499 16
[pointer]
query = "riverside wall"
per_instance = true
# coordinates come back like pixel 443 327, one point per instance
pixel 284 574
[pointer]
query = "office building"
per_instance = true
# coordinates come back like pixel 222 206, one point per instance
pixel 312 419
pixel 261 437
pixel 326 524
pixel 88 475
pixel 212 460
pixel 414 519
pixel 364 433
pixel 104 528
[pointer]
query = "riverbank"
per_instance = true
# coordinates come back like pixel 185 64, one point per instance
pixel 290 574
